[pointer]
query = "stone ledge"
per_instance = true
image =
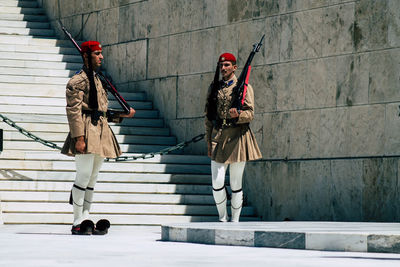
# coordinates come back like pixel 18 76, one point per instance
pixel 328 236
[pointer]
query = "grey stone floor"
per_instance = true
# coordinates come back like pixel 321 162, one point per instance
pixel 41 245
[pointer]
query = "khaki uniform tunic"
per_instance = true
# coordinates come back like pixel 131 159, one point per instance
pixel 235 143
pixel 99 138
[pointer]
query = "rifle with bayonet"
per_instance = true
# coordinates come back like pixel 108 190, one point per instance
pixel 239 91
pixel 106 83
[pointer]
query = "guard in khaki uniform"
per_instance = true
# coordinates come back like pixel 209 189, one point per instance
pixel 230 141
pixel 90 138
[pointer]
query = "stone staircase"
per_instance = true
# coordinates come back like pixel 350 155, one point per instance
pixel 35 180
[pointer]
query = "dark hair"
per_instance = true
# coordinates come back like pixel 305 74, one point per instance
pixel 212 97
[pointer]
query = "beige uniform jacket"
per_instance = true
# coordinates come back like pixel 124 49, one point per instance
pixel 99 139
pixel 236 143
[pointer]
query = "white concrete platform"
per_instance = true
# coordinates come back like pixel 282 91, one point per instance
pixel 52 245
pixel 329 236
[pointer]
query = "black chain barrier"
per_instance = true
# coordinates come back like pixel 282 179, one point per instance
pixel 164 151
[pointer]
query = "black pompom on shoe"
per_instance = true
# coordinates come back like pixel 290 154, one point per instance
pixel 102 227
pixel 85 228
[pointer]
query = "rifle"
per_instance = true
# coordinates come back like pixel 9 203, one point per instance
pixel 241 86
pixel 108 85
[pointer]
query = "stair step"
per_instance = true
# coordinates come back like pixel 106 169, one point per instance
pixel 22 17
pixel 131 188
pixel 36 72
pixel 122 139
pixel 64 128
pixel 100 197
pixel 58 91
pixel 110 177
pixel 182 159
pixel 26 31
pixel 24 24
pixel 38 49
pixel 34 41
pixel 132 148
pixel 37 118
pixel 40 65
pixel 41 57
pixel 22 10
pixel 33 79
pixel 14 3
pixel 131 167
pixel 110 208
pixel 43 218
pixel 135 99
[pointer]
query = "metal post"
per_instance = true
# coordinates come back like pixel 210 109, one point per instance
pixel 1 140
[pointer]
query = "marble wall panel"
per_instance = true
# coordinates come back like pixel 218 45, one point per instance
pixel 320 89
pixel 285 197
pixel 115 62
pixel 352 79
pixel 380 195
pixel 73 24
pixel 257 187
pixel 165 97
pixel 307 34
pixel 250 32
pixel 392 129
pixel 157 57
pixel 226 40
pixel 263 80
pixel 335 133
pixel 215 13
pixel 240 10
pixel 276 135
pixel 346 191
pixel 180 14
pixel 179 55
pixel 262 8
pixel 384 76
pixel 272 41
pixel 202 47
pixel 158 18
pixel 305 134
pixel 290 86
pixel 315 188
pixel 132 24
pixel 337 36
pixel 393 15
pixel 136 57
pixel 371 25
pixel 367 124
pixel 107 26
pixel 89 31
pixel 190 98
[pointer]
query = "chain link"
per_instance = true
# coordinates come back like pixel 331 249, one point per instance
pixel 164 151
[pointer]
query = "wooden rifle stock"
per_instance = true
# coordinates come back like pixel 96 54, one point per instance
pixel 125 106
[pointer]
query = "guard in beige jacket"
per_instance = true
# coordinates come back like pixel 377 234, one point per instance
pixel 230 141
pixel 90 138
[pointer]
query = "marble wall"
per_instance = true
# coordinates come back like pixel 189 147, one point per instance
pixel 326 83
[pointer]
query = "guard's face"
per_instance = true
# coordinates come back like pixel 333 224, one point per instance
pixel 227 69
pixel 97 58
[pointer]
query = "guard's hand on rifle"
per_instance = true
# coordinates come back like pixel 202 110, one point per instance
pixel 130 115
pixel 233 112
pixel 209 149
pixel 80 144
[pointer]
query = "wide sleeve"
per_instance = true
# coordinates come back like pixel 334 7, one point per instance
pixel 247 113
pixel 74 97
pixel 207 123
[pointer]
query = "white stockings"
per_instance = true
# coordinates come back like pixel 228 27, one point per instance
pixel 218 171
pixel 87 170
